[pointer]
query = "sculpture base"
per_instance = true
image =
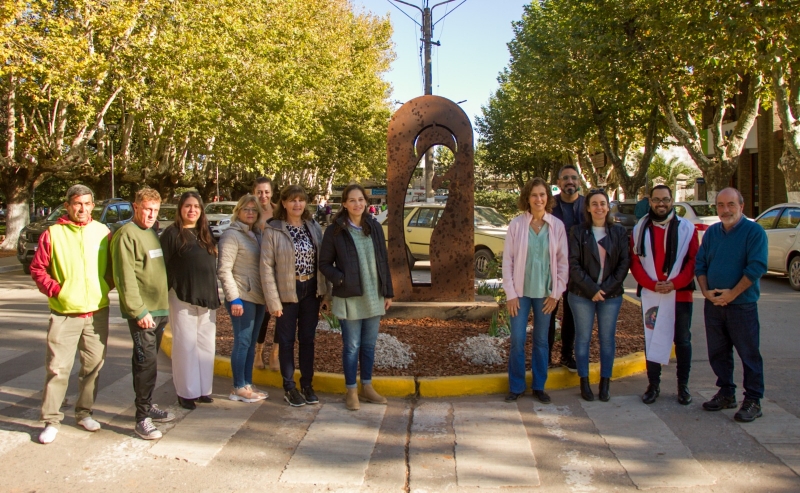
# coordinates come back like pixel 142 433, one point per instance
pixel 443 310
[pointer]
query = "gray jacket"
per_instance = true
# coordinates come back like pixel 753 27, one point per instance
pixel 237 267
pixel 278 264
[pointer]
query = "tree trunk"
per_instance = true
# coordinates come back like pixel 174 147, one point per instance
pixel 17 193
pixel 787 100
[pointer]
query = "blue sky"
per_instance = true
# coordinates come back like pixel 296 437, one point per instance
pixel 472 53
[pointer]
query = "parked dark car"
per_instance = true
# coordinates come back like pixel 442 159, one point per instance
pixel 112 212
pixel 623 214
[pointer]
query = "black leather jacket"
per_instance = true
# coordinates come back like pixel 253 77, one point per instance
pixel 584 261
pixel 338 260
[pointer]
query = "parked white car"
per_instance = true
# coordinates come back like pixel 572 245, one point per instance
pixel 701 214
pixel 782 225
pixel 219 216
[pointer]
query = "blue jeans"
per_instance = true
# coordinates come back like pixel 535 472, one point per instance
pixel 516 358
pixel 584 311
pixel 735 326
pixel 358 345
pixel 245 334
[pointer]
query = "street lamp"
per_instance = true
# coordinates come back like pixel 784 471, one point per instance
pixel 112 128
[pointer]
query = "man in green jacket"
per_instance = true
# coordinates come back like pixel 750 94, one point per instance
pixel 141 278
pixel 72 267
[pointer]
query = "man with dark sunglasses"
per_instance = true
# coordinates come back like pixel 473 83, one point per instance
pixel 569 208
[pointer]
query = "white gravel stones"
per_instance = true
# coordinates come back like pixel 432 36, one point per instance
pixel 391 353
pixel 481 350
pixel 323 325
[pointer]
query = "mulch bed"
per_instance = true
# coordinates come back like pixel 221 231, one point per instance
pixel 431 339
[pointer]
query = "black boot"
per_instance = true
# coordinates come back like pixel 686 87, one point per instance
pixel 604 383
pixel 651 394
pixel 684 396
pixel 586 390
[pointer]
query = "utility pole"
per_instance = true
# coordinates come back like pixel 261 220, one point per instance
pixel 427 34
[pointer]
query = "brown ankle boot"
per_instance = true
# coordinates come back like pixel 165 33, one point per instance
pixel 258 361
pixel 371 396
pixel 274 361
pixel 351 400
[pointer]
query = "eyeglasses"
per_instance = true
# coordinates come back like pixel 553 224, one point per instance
pixel 569 178
pixel 250 211
pixel 661 201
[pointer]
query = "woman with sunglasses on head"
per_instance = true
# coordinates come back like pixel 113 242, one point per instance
pixel 239 253
pixel 355 261
pixel 262 189
pixel 598 264
pixel 191 257
pixel 294 288
pixel 535 271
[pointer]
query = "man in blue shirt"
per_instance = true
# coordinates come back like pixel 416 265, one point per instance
pixel 731 260
pixel 569 208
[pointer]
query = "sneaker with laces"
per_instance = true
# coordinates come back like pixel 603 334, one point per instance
pixel 750 410
pixel 294 398
pixel 309 396
pixel 48 434
pixel 720 402
pixel 89 424
pixel 147 430
pixel 159 415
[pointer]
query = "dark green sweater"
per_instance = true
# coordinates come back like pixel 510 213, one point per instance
pixel 139 272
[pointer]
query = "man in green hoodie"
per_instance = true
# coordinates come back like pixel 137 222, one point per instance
pixel 72 268
pixel 141 278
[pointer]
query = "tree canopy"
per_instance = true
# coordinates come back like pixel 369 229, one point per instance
pixel 178 91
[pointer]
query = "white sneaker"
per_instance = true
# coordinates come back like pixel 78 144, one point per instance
pixel 260 392
pixel 48 434
pixel 89 423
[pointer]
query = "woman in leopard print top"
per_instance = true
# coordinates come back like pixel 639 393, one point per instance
pixel 293 288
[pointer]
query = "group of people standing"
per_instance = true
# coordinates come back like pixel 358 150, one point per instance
pixel 571 244
pixel 269 263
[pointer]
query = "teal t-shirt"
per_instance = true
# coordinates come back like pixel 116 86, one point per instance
pixel 370 303
pixel 537 264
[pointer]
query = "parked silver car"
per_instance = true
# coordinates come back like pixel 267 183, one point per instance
pixel 219 216
pixel 782 225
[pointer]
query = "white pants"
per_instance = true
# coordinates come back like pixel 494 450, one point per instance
pixel 194 331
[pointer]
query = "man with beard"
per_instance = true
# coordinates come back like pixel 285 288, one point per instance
pixel 569 208
pixel 663 251
pixel 730 263
pixel 141 278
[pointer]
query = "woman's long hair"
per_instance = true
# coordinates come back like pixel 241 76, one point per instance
pixel 524 201
pixel 587 211
pixel 289 192
pixel 342 212
pixel 204 236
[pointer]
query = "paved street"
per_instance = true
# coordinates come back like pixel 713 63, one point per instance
pixel 459 444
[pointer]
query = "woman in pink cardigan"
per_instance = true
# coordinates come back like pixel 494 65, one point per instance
pixel 535 274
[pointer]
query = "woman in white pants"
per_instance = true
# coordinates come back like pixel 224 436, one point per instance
pixel 190 255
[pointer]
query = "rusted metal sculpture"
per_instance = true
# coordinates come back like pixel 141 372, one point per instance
pixel 419 124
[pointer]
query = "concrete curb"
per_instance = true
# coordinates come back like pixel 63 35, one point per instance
pixel 11 268
pixel 496 383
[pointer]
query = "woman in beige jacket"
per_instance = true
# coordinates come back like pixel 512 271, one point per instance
pixel 293 286
pixel 239 252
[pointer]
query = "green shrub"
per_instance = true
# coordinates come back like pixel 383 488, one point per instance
pixel 505 202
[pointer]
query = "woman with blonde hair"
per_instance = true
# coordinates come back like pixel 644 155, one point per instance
pixel 191 257
pixel 294 286
pixel 535 274
pixel 239 252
